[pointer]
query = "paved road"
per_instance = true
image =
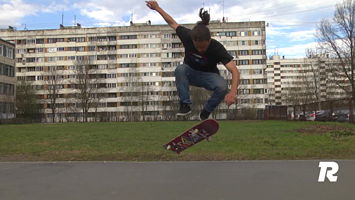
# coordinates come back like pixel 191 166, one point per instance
pixel 284 180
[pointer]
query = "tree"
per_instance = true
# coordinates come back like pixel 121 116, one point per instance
pixel 26 103
pixel 87 87
pixel 133 94
pixel 53 83
pixel 305 87
pixel 336 38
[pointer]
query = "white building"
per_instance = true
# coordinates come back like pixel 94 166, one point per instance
pixel 131 68
pixel 7 80
pixel 302 81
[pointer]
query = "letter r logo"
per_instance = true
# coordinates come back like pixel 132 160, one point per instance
pixel 328 169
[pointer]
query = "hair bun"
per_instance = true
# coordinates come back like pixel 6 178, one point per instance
pixel 205 16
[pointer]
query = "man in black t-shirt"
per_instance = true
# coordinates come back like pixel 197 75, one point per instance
pixel 202 54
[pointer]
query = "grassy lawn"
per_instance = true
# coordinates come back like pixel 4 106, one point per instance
pixel 142 141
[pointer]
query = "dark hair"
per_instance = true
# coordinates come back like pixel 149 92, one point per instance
pixel 201 32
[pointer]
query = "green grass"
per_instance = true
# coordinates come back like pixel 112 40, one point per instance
pixel 142 141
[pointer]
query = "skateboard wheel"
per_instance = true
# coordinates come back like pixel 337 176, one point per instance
pixel 168 147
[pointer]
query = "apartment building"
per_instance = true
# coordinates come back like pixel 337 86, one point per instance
pixel 7 80
pixel 303 80
pixel 127 73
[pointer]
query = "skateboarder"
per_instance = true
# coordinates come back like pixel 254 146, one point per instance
pixel 202 54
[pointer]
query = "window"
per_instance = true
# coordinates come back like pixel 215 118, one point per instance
pixel 231 33
pixel 60 58
pixel 126 65
pixel 258 62
pixel 76 39
pixel 256 33
pixel 258 91
pixel 257 52
pixel 244 91
pixel 50 59
pixel 128 46
pixel 112 38
pixel 227 34
pixel 259 81
pixel 31 41
pixel 243 62
pixel 244 81
pixel 232 53
pixel 101 57
pixel 153 35
pixel 80 57
pixel 111 85
pixel 243 52
pixel 123 55
pixel 110 75
pixel 128 37
pixel 40 59
pixel 245 101
pixel 52 50
pixel 92 58
pixel 38 69
pixel 10 52
pixel 152 55
pixel 52 40
pixel 39 41
pixel 258 100
pixel 154 45
pixel 257 71
pixel 112 57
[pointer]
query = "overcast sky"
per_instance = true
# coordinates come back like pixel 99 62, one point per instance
pixel 292 23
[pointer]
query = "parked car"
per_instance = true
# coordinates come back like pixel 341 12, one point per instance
pixel 343 115
pixel 309 116
pixel 325 115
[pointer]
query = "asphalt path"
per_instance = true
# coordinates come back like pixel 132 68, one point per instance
pixel 284 180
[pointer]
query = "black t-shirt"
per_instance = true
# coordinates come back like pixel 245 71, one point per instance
pixel 208 61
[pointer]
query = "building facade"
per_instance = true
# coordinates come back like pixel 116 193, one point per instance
pixel 7 80
pixel 127 73
pixel 303 81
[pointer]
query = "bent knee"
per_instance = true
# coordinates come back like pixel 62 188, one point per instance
pixel 180 71
pixel 222 87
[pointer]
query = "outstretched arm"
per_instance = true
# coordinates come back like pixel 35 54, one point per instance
pixel 155 6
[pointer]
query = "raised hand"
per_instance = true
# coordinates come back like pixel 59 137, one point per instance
pixel 152 5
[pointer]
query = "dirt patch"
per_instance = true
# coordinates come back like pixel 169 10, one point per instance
pixel 323 129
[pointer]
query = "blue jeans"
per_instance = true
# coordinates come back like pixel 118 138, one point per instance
pixel 186 76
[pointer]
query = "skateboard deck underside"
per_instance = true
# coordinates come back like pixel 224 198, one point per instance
pixel 192 136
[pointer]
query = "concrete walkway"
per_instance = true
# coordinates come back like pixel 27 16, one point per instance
pixel 276 180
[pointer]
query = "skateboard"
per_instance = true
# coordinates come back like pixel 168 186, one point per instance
pixel 194 135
